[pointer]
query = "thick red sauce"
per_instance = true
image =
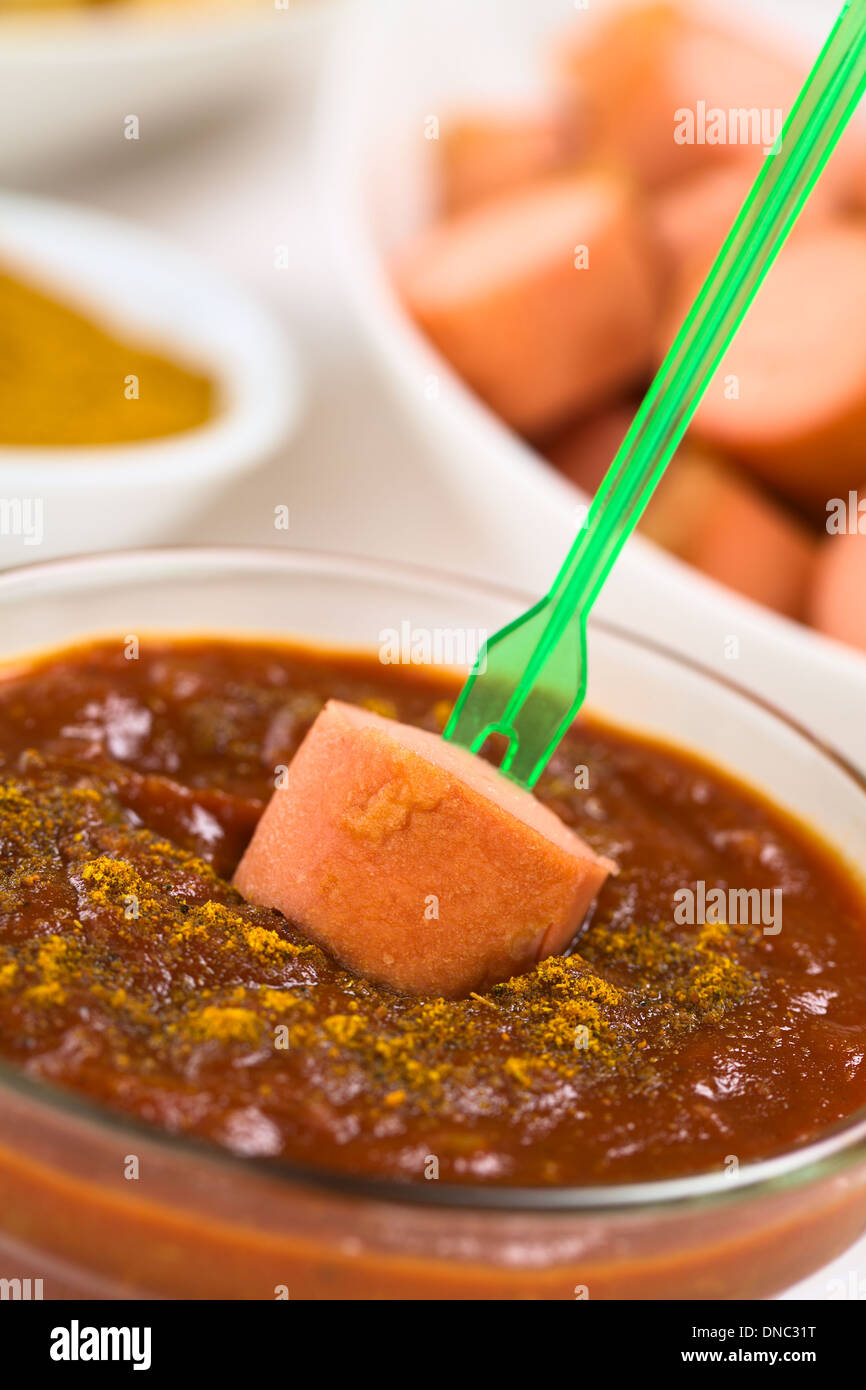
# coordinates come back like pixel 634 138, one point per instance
pixel 132 972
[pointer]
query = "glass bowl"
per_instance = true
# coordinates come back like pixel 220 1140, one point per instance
pixel 200 1223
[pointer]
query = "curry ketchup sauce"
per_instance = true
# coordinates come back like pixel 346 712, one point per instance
pixel 133 975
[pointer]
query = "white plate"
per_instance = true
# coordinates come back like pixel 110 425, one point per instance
pixel 98 497
pixel 398 62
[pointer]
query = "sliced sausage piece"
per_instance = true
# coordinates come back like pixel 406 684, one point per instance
pixel 585 451
pixel 789 398
pixel 414 862
pixel 838 600
pixel 485 155
pixel 719 521
pixel 627 82
pixel 693 216
pixel 630 80
pixel 707 514
pixel 539 326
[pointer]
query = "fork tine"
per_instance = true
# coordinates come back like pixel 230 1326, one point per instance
pixel 484 699
pixel 540 715
pixel 496 698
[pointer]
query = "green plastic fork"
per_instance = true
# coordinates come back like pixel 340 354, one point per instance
pixel 530 677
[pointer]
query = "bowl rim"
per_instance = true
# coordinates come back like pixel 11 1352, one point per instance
pixel 836 1149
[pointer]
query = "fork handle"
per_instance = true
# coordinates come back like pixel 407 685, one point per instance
pixel 822 110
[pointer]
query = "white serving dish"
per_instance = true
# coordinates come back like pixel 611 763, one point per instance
pixel 69 78
pixel 397 62
pixel 98 497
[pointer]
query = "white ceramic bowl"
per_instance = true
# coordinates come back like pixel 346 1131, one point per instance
pixel 397 62
pixel 68 78
pixel 102 497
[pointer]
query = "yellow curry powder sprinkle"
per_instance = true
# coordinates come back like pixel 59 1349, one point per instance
pixel 280 1001
pixel 225 1025
pixel 52 957
pixel 518 1069
pixel 264 943
pixel 46 995
pixel 562 1018
pixel 66 380
pixel 230 974
pixel 344 1028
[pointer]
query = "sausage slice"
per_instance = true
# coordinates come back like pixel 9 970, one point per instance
pixel 543 300
pixel 414 862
